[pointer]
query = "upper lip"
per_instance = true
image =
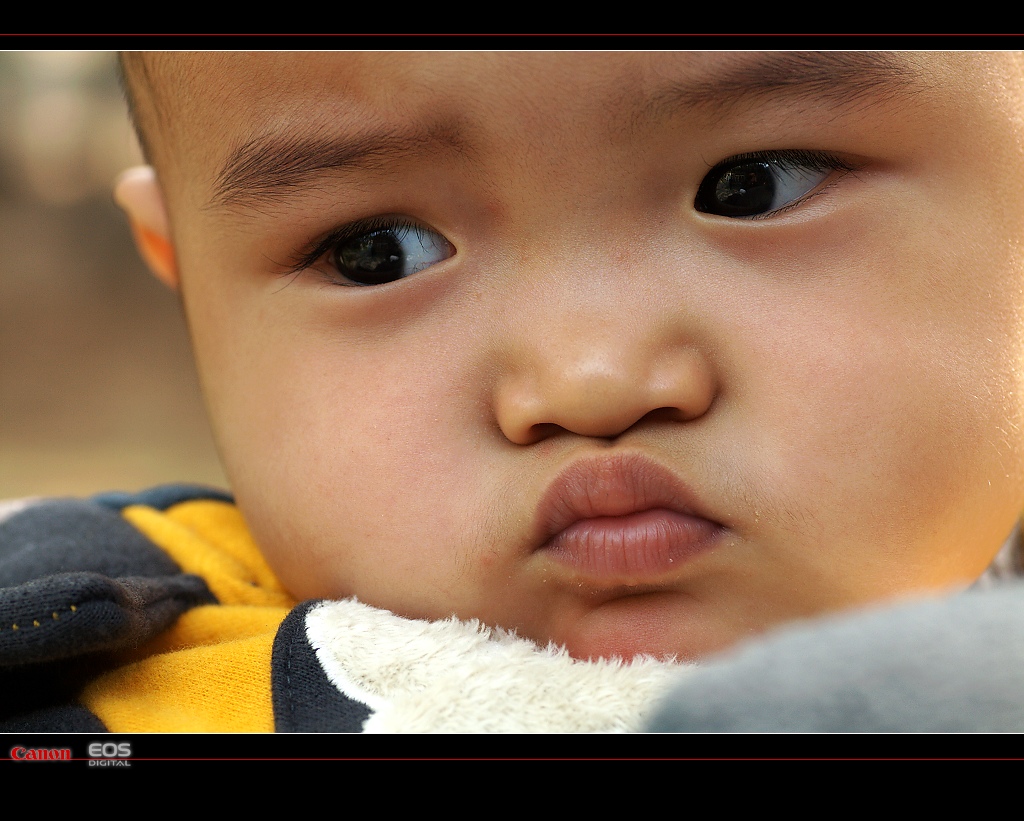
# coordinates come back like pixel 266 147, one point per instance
pixel 611 485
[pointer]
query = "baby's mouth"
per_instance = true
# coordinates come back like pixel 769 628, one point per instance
pixel 622 520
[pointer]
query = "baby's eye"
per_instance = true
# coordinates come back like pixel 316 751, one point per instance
pixel 753 185
pixel 374 253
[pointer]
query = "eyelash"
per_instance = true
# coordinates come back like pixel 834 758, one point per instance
pixel 312 254
pixel 785 161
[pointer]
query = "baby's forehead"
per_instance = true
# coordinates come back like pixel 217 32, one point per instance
pixel 176 77
pixel 196 109
pixel 173 84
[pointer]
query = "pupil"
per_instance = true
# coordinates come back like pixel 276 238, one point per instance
pixel 372 258
pixel 741 190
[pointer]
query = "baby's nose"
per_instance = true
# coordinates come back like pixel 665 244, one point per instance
pixel 599 381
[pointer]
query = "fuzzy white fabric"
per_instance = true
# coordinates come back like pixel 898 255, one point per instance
pixel 456 676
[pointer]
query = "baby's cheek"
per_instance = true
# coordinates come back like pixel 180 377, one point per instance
pixel 943 476
pixel 872 441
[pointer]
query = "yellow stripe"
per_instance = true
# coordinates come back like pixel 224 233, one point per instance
pixel 210 539
pixel 220 688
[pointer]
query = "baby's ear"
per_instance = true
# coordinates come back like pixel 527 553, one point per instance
pixel 138 193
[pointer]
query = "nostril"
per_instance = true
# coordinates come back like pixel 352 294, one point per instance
pixel 671 414
pixel 664 415
pixel 542 431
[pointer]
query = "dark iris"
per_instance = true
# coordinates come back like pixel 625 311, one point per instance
pixel 738 190
pixel 372 259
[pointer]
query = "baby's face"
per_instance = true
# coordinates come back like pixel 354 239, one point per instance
pixel 634 352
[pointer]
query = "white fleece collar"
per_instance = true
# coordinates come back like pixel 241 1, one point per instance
pixel 462 677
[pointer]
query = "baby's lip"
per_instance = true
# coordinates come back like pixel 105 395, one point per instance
pixel 622 519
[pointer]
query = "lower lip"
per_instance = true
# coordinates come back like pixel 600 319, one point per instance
pixel 636 548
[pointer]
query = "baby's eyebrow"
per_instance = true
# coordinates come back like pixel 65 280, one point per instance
pixel 270 166
pixel 851 79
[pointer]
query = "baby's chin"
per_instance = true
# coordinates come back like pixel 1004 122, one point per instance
pixel 659 625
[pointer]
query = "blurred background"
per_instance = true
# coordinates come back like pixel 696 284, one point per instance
pixel 97 387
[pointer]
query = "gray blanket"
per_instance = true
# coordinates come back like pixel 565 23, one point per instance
pixel 936 666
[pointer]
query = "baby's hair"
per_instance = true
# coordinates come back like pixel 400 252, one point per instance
pixel 133 73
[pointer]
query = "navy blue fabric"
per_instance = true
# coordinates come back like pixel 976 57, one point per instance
pixel 72 614
pixel 304 699
pixel 78 583
pixel 64 717
pixel 60 535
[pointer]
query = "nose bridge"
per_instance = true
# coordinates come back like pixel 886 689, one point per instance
pixel 598 347
pixel 593 352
